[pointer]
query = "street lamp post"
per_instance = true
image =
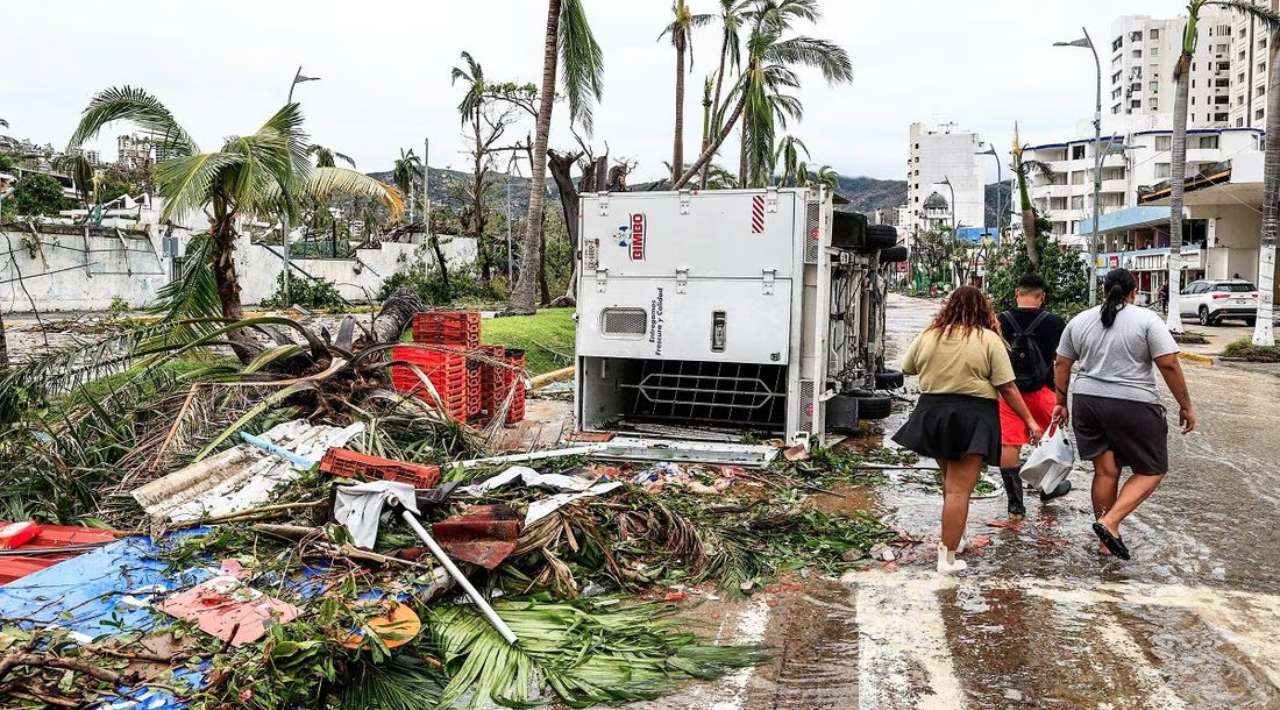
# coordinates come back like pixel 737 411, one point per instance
pixel 991 151
pixel 947 181
pixel 1086 41
pixel 298 78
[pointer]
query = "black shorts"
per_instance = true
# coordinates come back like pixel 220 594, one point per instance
pixel 1136 432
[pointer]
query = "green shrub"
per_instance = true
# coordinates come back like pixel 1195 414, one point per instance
pixel 428 283
pixel 309 293
pixel 1062 268
pixel 1244 349
pixel 37 194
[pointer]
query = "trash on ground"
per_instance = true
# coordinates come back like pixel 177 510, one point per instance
pixel 229 609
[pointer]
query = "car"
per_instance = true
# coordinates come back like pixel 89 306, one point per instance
pixel 1211 300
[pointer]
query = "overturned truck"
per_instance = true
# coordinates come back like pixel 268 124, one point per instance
pixel 731 314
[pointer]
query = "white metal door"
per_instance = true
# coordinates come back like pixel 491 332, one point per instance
pixel 720 320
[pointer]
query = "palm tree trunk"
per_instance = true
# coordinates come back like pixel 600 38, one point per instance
pixel 715 108
pixel 224 268
pixel 1029 232
pixel 544 290
pixel 1263 333
pixel 709 153
pixel 677 144
pixel 4 346
pixel 522 296
pixel 1177 179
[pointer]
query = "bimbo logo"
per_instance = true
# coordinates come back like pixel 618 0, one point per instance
pixel 637 237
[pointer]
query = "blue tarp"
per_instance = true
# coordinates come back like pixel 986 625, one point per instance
pixel 103 593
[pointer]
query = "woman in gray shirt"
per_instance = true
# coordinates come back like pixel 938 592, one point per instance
pixel 1116 410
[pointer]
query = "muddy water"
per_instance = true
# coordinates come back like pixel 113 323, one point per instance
pixel 1040 620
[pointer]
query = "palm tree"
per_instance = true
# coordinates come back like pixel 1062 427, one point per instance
pixel 732 14
pixel 327 158
pixel 757 97
pixel 681 32
pixel 405 173
pixel 249 175
pixel 788 152
pixel 1022 168
pixel 81 172
pixel 1178 149
pixel 1263 332
pixel 567 39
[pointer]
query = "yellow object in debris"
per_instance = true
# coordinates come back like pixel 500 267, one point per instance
pixel 396 628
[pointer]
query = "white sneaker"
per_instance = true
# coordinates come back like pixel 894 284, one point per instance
pixel 947 562
pixel 964 544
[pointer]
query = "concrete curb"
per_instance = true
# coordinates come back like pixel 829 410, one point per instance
pixel 1197 358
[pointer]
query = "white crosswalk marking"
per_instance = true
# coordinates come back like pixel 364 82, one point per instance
pixel 900 629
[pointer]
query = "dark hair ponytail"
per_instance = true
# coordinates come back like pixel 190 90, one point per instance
pixel 1117 286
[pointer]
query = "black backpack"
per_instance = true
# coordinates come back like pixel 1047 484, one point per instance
pixel 1030 370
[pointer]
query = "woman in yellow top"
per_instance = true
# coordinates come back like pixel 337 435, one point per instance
pixel 963 366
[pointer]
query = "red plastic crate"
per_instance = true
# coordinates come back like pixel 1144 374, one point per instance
pixel 446 371
pixel 460 328
pixel 351 464
pixel 515 412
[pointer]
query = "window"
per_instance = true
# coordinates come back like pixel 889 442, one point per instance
pixel 1224 66
pixel 1077 152
pixel 1240 100
pixel 1116 172
pixel 1260 90
pixel 1115 109
pixel 1221 117
pixel 1117 43
pixel 1116 94
pixel 1257 115
pixel 1154 52
pixel 1153 105
pixel 1162 171
pixel 1153 86
pixel 1115 78
pixel 1077 202
pixel 1240 122
pixel 1208 142
pixel 1164 142
pixel 1241 55
pixel 1262 67
pixel 1193 101
pixel 1223 48
pixel 1077 177
pixel 1222 83
pixel 1224 30
pixel 1136 103
pixel 1057 203
pixel 1154 34
pixel 1262 43
pixel 1221 100
pixel 1240 78
pixel 1236 287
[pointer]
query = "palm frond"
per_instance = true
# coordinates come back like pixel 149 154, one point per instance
pixel 193 296
pixel 185 182
pixel 127 103
pixel 582 61
pixel 825 56
pixel 326 183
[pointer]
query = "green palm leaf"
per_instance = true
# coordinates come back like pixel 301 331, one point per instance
pixel 127 103
pixel 582 60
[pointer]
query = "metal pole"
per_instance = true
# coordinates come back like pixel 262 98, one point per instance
pixel 1097 173
pixel 426 188
pixel 999 199
pixel 508 229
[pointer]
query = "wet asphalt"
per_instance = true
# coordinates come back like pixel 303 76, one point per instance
pixel 1039 620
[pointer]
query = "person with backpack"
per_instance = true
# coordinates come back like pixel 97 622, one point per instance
pixel 1115 407
pixel 1032 333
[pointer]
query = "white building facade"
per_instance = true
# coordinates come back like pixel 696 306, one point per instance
pixel 938 154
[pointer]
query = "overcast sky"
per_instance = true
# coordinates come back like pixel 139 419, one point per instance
pixel 223 67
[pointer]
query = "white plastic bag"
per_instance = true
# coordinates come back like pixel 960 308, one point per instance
pixel 1050 462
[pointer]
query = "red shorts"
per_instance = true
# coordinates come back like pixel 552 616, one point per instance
pixel 1041 403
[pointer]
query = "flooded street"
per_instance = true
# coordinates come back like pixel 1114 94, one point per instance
pixel 1039 619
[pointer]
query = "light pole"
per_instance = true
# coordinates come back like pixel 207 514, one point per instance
pixel 298 78
pixel 1086 41
pixel 991 151
pixel 947 181
pixel 508 228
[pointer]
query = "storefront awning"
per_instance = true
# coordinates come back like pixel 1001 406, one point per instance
pixel 1134 218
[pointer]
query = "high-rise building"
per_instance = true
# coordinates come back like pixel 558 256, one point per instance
pixel 1227 80
pixel 943 161
pixel 134 151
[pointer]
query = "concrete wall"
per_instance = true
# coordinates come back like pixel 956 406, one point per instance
pixel 75 272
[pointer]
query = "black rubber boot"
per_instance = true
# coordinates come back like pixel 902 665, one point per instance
pixel 1013 489
pixel 1063 488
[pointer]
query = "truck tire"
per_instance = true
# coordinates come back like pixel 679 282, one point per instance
pixel 848 230
pixel 842 414
pixel 880 236
pixel 889 380
pixel 894 254
pixel 874 407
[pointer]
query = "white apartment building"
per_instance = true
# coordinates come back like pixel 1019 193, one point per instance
pixel 1228 79
pixel 943 153
pixel 1134 162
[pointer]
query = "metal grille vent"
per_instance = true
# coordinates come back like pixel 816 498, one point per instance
pixel 631 322
pixel 807 406
pixel 812 230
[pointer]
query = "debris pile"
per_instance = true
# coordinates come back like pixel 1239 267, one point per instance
pixel 288 527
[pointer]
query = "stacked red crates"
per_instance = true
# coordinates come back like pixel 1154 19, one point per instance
pixel 475 395
pixel 457 328
pixel 514 381
pixel 351 464
pixel 491 391
pixel 446 371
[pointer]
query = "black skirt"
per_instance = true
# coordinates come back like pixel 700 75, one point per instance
pixel 952 426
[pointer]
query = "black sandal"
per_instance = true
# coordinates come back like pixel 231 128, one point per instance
pixel 1111 542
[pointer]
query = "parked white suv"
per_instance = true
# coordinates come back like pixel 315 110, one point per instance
pixel 1212 300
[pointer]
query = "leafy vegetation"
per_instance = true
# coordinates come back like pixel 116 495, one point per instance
pixel 35 194
pixel 305 292
pixel 1244 349
pixel 1062 268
